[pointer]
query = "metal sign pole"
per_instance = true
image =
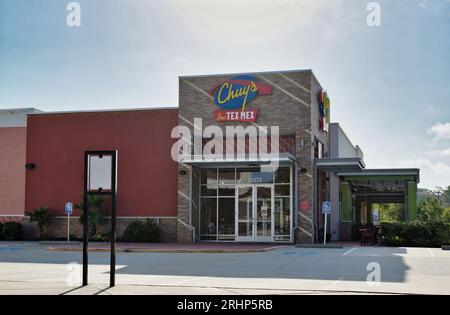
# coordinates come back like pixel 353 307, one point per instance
pixel 112 270
pixel 100 191
pixel 326 210
pixel 85 221
pixel 68 227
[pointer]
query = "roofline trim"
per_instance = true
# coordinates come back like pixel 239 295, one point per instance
pixel 105 111
pixel 19 110
pixel 382 172
pixel 251 72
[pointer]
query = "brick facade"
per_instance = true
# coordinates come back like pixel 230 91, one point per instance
pixel 293 106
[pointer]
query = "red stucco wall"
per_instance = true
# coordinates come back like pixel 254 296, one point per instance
pixel 147 175
pixel 12 170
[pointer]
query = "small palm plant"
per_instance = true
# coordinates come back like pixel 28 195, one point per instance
pixel 96 215
pixel 41 217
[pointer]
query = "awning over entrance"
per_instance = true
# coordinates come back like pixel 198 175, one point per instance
pixel 340 164
pixel 234 161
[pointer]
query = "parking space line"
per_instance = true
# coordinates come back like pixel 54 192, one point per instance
pixel 349 251
pixel 431 252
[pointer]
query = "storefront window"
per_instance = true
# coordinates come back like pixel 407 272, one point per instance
pixel 226 219
pixel 283 176
pixel 245 215
pixel 227 176
pixel 209 176
pixel 208 219
pixel 217 218
pixel 209 190
pixel 282 219
pixel 227 182
pixel 282 190
pixel 218 213
pixel 227 191
pixel 282 210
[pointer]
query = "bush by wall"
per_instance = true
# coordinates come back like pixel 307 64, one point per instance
pixel 416 234
pixel 12 231
pixel 138 231
pixel 1 231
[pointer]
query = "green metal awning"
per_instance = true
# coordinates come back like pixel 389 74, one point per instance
pixel 408 174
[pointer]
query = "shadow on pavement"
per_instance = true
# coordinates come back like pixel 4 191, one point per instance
pixel 282 263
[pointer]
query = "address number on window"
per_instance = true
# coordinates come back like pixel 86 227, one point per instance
pixel 255 180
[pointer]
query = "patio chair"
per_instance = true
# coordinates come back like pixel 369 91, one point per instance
pixel 369 234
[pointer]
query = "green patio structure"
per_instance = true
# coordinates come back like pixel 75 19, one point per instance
pixel 359 190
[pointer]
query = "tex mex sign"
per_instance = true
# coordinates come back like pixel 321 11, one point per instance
pixel 232 97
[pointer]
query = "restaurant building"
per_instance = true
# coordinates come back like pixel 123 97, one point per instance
pixel 244 158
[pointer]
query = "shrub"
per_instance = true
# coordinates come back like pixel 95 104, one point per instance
pixel 100 237
pixel 1 231
pixel 12 231
pixel 416 234
pixel 42 218
pixel 138 231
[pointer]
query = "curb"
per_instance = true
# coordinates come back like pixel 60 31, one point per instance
pixel 320 246
pixel 164 251
pixel 46 243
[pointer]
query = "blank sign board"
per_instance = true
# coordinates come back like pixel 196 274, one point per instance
pixel 99 173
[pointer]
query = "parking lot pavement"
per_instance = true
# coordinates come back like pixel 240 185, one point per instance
pixel 29 268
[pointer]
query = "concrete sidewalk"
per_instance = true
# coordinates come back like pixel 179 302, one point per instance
pixel 165 247
pixel 33 288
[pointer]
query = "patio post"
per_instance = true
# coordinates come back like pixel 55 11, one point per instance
pixel 411 190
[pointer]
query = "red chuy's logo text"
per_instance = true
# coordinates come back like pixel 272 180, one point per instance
pixel 232 96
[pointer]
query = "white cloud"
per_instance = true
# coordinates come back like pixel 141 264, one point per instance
pixel 440 131
pixel 440 153
pixel 236 21
pixel 432 173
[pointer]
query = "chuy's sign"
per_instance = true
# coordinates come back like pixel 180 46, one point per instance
pixel 324 110
pixel 233 95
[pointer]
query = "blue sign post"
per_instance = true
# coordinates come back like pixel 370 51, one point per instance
pixel 326 210
pixel 68 209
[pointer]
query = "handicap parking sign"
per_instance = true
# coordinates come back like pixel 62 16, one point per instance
pixel 326 207
pixel 68 208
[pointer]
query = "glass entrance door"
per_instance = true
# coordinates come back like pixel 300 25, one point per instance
pixel 254 213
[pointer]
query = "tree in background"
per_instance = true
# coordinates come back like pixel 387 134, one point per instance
pixel 429 210
pixel 434 206
pixel 446 215
pixel 41 217
pixel 392 212
pixel 446 197
pixel 439 192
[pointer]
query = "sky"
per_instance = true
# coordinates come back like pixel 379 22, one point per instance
pixel 388 85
